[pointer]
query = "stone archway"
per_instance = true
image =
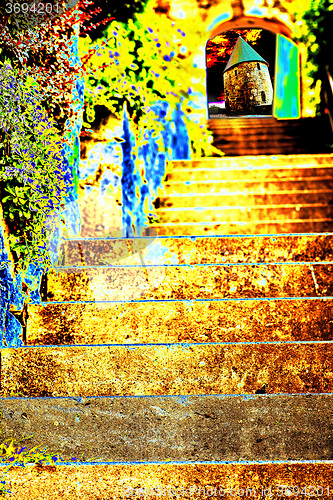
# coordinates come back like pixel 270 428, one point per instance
pixel 287 85
pixel 240 70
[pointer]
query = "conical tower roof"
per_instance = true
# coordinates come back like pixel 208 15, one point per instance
pixel 243 52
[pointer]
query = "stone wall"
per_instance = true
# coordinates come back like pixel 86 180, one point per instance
pixel 246 86
pixel 212 17
pixel 207 11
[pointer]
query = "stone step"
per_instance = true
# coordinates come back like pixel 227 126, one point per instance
pixel 173 369
pixel 231 480
pixel 187 282
pixel 264 227
pixel 277 130
pixel 197 250
pixel 245 198
pixel 236 123
pixel 258 162
pixel 262 143
pixel 160 429
pixel 210 172
pixel 294 184
pixel 238 213
pixel 142 322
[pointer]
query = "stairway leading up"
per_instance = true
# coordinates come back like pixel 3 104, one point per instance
pixel 248 195
pixel 197 358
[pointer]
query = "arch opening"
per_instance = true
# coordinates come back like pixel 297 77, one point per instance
pixel 240 65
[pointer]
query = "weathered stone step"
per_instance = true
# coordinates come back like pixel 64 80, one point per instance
pixel 246 122
pixel 268 137
pixel 238 214
pixel 266 146
pixel 267 227
pixel 254 120
pixel 281 132
pixel 273 162
pixel 109 481
pixel 187 282
pixel 257 186
pixel 180 321
pixel 211 171
pixel 181 369
pixel 157 429
pixel 231 480
pixel 245 198
pixel 198 250
pixel 236 123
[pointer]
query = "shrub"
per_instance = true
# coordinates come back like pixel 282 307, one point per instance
pixel 31 167
pixel 215 110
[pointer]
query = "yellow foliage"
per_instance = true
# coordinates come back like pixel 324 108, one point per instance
pixel 150 59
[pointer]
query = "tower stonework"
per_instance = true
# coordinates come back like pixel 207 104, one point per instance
pixel 247 83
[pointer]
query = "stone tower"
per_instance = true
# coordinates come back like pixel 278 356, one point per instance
pixel 247 83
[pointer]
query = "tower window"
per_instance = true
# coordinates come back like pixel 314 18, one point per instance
pixel 263 96
pixel 236 72
pixel 258 65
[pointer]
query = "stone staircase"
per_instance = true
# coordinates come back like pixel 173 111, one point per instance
pixel 194 359
pixel 248 195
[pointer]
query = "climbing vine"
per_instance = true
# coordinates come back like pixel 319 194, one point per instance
pixel 31 175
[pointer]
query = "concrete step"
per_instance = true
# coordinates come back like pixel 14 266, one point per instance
pixel 268 147
pixel 242 213
pixel 211 171
pixel 173 369
pixel 246 198
pixel 151 321
pixel 259 162
pixel 246 123
pixel 193 428
pixel 265 227
pixel 197 249
pixel 263 142
pixel 237 480
pixel 292 184
pixel 187 282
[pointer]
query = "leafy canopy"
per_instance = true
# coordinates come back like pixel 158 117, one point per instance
pixel 151 58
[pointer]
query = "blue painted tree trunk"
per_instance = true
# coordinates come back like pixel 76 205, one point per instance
pixel 10 294
pixel 138 193
pixel 129 182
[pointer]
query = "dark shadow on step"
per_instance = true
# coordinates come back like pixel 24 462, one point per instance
pixel 269 136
